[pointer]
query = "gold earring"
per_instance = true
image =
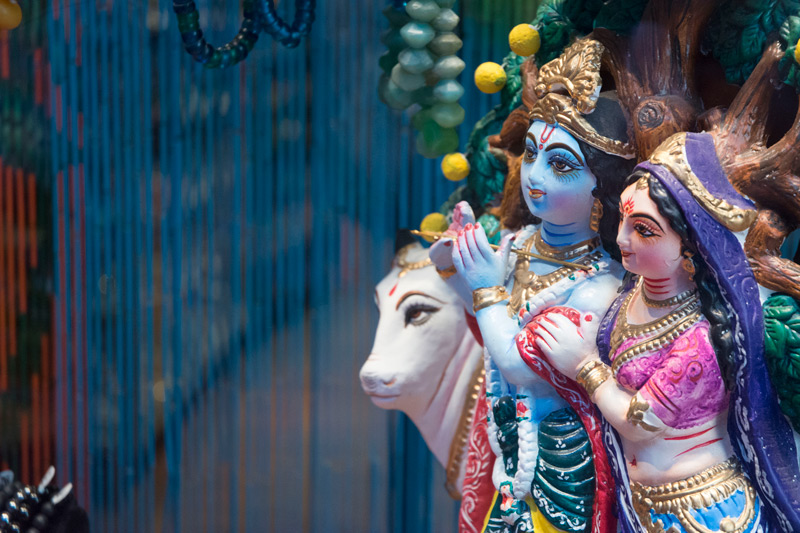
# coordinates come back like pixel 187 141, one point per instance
pixel 597 214
pixel 688 264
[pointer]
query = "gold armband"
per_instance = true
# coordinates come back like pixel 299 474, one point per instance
pixel 636 411
pixel 486 296
pixel 446 273
pixel 592 375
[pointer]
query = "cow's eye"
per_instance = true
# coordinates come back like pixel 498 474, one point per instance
pixel 418 314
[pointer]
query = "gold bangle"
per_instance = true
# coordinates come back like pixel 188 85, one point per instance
pixel 446 273
pixel 592 375
pixel 636 411
pixel 486 296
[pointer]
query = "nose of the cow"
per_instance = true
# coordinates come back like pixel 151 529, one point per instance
pixel 370 381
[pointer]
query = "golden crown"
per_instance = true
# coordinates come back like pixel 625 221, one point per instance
pixel 575 72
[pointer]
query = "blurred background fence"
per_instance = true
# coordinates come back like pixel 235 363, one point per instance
pixel 187 258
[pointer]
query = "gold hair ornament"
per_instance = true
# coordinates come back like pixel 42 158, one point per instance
pixel 671 155
pixel 576 71
pixel 406 266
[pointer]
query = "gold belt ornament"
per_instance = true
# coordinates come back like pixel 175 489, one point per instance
pixel 679 498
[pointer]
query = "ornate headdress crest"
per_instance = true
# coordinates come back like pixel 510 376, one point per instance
pixel 671 154
pixel 576 72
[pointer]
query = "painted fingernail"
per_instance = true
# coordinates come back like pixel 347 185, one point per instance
pixel 588 318
pixel 448 243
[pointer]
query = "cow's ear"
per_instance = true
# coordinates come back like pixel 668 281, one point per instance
pixel 403 238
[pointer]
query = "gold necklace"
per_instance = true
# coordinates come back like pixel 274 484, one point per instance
pixel 527 284
pixel 461 436
pixel 668 328
pixel 564 253
pixel 669 302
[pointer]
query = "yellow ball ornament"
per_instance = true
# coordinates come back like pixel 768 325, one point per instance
pixel 524 40
pixel 435 222
pixel 490 77
pixel 455 166
pixel 797 51
pixel 10 14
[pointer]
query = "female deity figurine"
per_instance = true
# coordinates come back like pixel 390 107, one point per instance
pixel 692 427
pixel 576 155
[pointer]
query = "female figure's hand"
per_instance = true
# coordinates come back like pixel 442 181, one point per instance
pixel 476 261
pixel 567 346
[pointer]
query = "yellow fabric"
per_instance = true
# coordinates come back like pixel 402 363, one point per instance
pixel 540 523
pixel 489 514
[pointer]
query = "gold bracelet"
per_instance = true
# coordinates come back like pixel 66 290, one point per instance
pixel 592 375
pixel 636 411
pixel 446 273
pixel 486 296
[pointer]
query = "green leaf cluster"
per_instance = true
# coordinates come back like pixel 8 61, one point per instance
pixel 789 34
pixel 739 31
pixel 620 15
pixel 782 352
pixel 560 21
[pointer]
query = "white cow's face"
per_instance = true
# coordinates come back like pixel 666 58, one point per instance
pixel 422 324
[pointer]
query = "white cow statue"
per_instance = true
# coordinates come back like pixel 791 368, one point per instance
pixel 425 360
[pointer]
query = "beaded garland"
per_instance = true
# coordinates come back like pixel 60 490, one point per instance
pixel 421 67
pixel 259 15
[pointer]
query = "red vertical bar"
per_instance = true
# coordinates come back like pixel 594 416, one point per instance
pixel 80 130
pixel 62 402
pixel 84 324
pixel 78 39
pixel 66 25
pixel 36 413
pixel 11 277
pixel 5 62
pixel 59 118
pixel 76 320
pixel 48 82
pixel 32 231
pixel 25 444
pixel 4 298
pixel 47 407
pixel 38 77
pixel 22 239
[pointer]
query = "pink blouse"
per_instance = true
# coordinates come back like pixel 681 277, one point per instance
pixel 681 382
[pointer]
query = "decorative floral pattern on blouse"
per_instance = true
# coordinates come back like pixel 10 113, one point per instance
pixel 682 382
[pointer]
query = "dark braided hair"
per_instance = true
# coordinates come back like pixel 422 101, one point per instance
pixel 711 301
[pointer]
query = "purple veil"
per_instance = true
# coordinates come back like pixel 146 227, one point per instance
pixel 760 435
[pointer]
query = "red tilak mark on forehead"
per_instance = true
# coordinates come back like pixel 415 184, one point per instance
pixel 391 292
pixel 627 207
pixel 546 134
